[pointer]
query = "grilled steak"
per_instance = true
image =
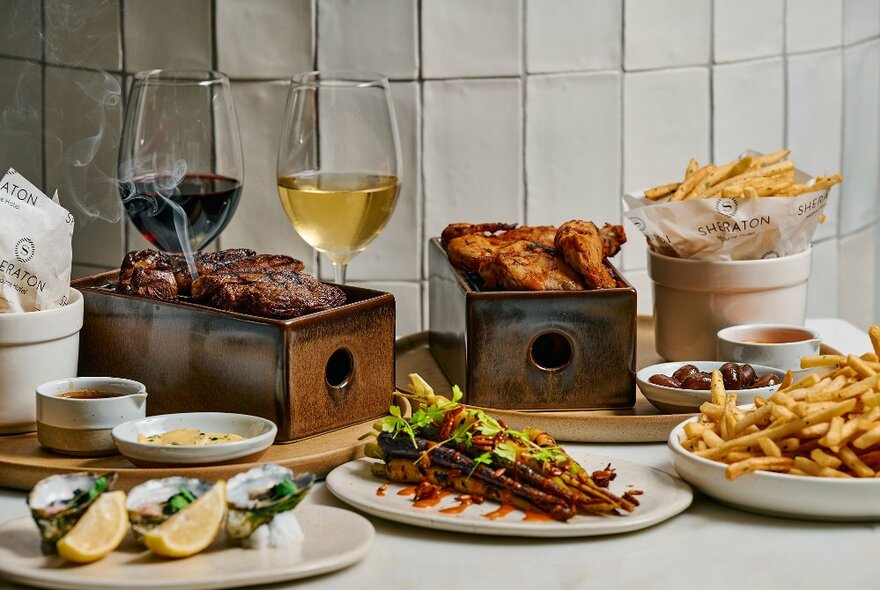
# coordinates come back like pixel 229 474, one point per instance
pixel 150 282
pixel 274 294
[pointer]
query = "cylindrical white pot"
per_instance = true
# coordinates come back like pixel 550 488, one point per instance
pixel 693 299
pixel 35 347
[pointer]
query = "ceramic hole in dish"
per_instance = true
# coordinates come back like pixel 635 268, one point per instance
pixel 674 400
pixel 258 435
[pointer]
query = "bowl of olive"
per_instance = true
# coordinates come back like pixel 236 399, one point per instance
pixel 681 387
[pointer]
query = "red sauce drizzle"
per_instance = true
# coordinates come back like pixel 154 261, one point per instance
pixel 410 491
pixel 535 516
pixel 430 502
pixel 500 512
pixel 381 490
pixel 464 502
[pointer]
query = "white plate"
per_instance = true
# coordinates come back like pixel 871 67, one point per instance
pixel 664 497
pixel 258 433
pixel 334 539
pixel 779 494
pixel 672 400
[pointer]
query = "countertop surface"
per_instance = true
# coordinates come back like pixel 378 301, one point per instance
pixel 709 546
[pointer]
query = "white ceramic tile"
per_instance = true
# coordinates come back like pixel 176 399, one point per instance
pixel 21 28
pixel 573 147
pixel 369 35
pixel 861 20
pixel 861 140
pixel 81 158
pixel 663 127
pixel 743 116
pixel 822 290
pixel 472 152
pixel 85 33
pixel 21 126
pixel 857 285
pixel 644 290
pixel 746 29
pixel 813 24
pixel 566 35
pixel 815 112
pixel 462 38
pixel 408 297
pixel 265 39
pixel 666 33
pixel 168 34
pixel 260 222
pixel 396 253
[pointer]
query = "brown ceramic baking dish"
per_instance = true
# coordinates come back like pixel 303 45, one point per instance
pixel 532 349
pixel 309 375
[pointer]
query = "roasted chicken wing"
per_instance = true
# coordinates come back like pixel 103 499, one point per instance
pixel 529 266
pixel 583 248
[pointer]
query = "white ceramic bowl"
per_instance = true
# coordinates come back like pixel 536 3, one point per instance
pixel 751 343
pixel 258 433
pixel 83 426
pixel 35 347
pixel 779 494
pixel 673 400
pixel 693 299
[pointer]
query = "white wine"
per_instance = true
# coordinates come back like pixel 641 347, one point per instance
pixel 338 213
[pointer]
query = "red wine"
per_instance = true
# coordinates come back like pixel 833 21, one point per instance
pixel 159 208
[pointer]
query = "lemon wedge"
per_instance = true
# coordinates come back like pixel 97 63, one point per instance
pixel 192 529
pixel 100 530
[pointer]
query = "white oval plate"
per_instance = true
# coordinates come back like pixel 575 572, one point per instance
pixel 334 539
pixel 664 497
pixel 258 433
pixel 689 400
pixel 779 494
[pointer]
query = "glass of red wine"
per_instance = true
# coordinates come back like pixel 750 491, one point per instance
pixel 180 166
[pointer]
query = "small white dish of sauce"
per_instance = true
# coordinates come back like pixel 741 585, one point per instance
pixel 194 438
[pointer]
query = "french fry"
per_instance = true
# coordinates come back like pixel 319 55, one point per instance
pixel 734 192
pixel 874 335
pixel 859 366
pixel 664 190
pixel 774 170
pixel 854 463
pixel 780 464
pixel 824 459
pixel 869 439
pixel 690 182
pixel 749 192
pixel 807 381
pixel 711 439
pixel 822 360
pixel 691 168
pixel 767 159
pixel 834 433
pixel 770 448
pixel 786 381
pixel 720 174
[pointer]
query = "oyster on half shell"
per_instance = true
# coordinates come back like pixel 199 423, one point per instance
pixel 155 501
pixel 255 497
pixel 59 501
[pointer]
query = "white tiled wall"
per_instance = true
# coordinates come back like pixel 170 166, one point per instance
pixel 509 110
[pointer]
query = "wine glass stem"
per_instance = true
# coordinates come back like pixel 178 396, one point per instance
pixel 339 273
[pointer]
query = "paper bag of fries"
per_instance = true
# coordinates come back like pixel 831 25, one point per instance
pixel 35 247
pixel 758 206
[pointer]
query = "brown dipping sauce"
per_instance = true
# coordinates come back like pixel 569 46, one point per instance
pixel 89 394
pixel 777 336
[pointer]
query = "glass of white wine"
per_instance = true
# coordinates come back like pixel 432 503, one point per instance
pixel 338 162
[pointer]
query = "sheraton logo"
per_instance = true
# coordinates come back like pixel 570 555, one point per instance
pixel 733 226
pixel 813 204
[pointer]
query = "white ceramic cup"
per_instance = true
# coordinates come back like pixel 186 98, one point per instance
pixel 35 347
pixel 762 344
pixel 693 299
pixel 75 426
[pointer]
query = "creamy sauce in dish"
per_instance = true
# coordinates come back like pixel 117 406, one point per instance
pixel 188 437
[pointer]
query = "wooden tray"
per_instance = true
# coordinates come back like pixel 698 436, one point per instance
pixel 23 462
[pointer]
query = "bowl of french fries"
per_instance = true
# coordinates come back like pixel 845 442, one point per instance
pixel 810 450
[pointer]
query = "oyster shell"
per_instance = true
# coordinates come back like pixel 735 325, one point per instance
pixel 59 501
pixel 256 496
pixel 153 502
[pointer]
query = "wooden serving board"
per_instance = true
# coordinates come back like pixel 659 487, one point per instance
pixel 23 462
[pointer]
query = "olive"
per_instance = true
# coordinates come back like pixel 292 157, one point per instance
pixel 663 380
pixel 731 374
pixel 747 375
pixel 684 371
pixel 697 381
pixel 765 381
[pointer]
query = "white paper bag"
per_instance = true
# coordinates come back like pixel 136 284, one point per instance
pixel 729 228
pixel 35 247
